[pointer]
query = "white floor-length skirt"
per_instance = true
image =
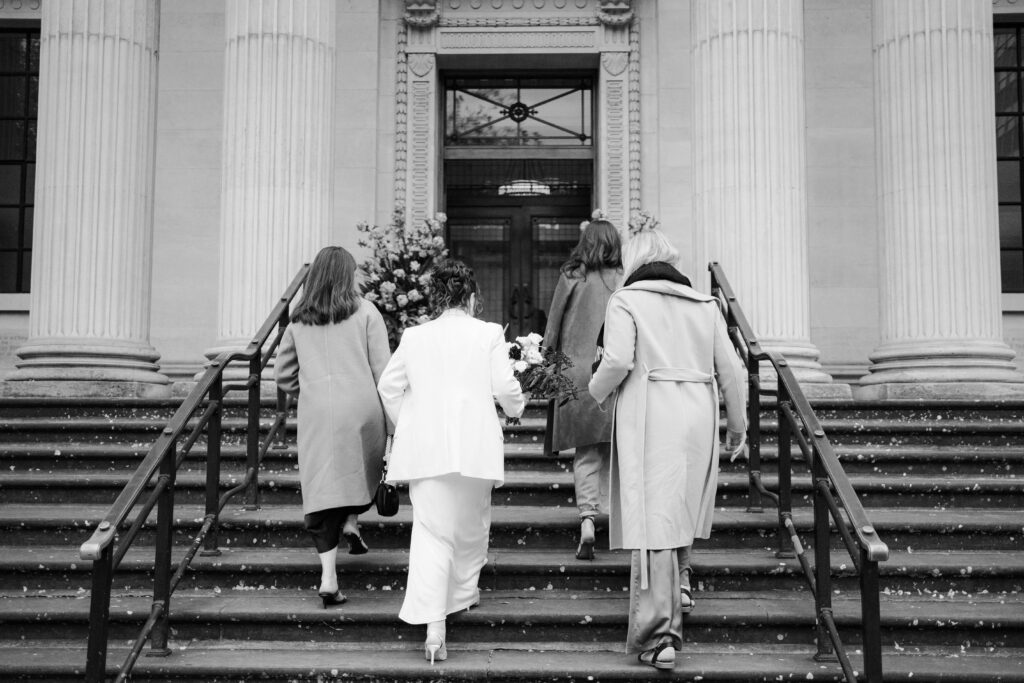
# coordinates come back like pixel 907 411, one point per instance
pixel 451 521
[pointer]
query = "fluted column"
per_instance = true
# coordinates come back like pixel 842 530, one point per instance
pixel 934 122
pixel 749 171
pixel 276 206
pixel 92 250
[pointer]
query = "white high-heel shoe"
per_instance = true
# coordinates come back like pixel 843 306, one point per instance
pixel 434 647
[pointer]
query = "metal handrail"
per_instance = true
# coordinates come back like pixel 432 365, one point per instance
pixel 833 493
pixel 106 548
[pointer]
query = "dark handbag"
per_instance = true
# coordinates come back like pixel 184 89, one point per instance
pixel 386 496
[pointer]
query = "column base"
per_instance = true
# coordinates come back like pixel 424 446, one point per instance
pixel 959 365
pixel 237 371
pixel 86 368
pixel 803 361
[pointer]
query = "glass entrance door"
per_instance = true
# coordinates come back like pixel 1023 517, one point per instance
pixel 516 251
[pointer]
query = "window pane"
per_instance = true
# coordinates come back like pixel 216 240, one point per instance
pixel 12 95
pixel 1009 181
pixel 26 271
pixel 12 140
pixel 1006 91
pixel 31 140
pixel 29 218
pixel 1007 136
pixel 1010 228
pixel 33 96
pixel 10 184
pixel 33 54
pixel 30 184
pixel 1005 40
pixel 8 271
pixel 1013 270
pixel 12 52
pixel 8 228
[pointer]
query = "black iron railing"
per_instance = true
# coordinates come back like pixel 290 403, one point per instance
pixel 833 494
pixel 201 410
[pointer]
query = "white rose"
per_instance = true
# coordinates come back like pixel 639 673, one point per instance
pixel 399 272
pixel 535 339
pixel 414 266
pixel 534 356
pixel 441 218
pixel 402 300
pixel 414 295
pixel 520 366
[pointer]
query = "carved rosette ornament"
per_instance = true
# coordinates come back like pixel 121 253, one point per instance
pixel 614 12
pixel 421 14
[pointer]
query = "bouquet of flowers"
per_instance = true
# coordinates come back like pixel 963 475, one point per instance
pixel 395 276
pixel 540 371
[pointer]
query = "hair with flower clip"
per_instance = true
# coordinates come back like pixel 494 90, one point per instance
pixel 596 215
pixel 644 221
pixel 646 244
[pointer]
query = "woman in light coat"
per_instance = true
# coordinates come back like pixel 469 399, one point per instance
pixel 588 278
pixel 332 355
pixel 666 355
pixel 439 391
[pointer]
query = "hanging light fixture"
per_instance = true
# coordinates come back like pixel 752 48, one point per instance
pixel 524 188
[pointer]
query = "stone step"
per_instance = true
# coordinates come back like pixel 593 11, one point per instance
pixel 370 616
pixel 540 661
pixel 521 526
pixel 524 487
pixel 931 573
pixel 932 459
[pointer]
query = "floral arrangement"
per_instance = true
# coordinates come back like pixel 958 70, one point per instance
pixel 540 370
pixel 395 276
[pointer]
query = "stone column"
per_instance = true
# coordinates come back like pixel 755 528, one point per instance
pixel 614 124
pixel 749 171
pixel 936 159
pixel 92 251
pixel 276 205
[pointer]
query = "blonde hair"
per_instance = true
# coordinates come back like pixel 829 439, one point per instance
pixel 647 246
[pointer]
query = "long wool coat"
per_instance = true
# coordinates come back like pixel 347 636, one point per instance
pixel 665 344
pixel 439 390
pixel 576 314
pixel 335 368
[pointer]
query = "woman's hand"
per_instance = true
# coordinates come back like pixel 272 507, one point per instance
pixel 736 444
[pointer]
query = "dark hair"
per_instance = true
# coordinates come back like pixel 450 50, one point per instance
pixel 329 295
pixel 599 247
pixel 451 284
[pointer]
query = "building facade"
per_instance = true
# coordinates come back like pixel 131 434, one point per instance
pixel 855 165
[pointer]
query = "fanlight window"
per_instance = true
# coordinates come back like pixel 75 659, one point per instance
pixel 519 111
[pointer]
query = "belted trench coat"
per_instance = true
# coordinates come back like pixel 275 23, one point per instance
pixel 666 355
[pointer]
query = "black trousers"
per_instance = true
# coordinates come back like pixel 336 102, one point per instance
pixel 325 525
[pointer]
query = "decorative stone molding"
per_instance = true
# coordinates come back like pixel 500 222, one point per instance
pixel 514 21
pixel 515 5
pixel 518 40
pixel 941 310
pixel 422 127
pixel 278 165
pixel 614 12
pixel 92 251
pixel 421 64
pixel 634 118
pixel 21 9
pixel 614 62
pixel 749 167
pixel 421 14
pixel 401 119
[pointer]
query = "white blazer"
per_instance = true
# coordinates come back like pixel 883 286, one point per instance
pixel 439 390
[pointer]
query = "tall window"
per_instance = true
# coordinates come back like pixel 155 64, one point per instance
pixel 19 97
pixel 1010 153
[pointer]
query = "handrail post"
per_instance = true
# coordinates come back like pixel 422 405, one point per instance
pixel 822 560
pixel 99 616
pixel 213 444
pixel 754 503
pixel 871 620
pixel 252 439
pixel 282 398
pixel 785 465
pixel 162 562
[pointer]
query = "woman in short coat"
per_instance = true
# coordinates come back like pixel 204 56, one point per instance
pixel 439 391
pixel 666 355
pixel 588 278
pixel 332 355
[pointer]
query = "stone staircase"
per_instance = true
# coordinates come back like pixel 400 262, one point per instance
pixel 943 484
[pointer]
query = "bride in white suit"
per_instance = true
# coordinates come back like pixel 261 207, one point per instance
pixel 439 390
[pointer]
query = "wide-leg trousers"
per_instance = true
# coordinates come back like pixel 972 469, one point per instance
pixel 590 477
pixel 655 614
pixel 451 522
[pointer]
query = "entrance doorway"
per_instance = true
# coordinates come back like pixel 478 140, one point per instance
pixel 518 180
pixel 516 250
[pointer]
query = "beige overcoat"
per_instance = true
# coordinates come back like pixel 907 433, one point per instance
pixel 666 354
pixel 334 368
